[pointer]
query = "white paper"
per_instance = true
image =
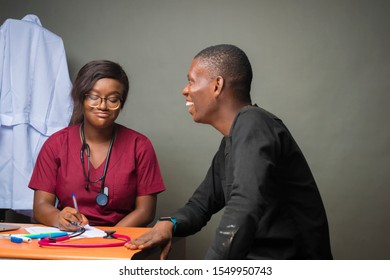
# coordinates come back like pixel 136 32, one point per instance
pixel 89 231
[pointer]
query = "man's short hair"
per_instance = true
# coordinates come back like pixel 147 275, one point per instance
pixel 231 63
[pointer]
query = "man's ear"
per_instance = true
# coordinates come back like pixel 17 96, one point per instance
pixel 218 85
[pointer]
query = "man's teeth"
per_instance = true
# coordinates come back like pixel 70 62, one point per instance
pixel 189 103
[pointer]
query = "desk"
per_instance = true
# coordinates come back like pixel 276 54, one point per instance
pixel 32 250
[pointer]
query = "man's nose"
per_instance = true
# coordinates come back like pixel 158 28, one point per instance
pixel 185 90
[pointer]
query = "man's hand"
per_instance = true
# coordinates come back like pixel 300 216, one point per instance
pixel 159 235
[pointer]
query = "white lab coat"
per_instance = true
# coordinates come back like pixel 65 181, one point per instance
pixel 35 102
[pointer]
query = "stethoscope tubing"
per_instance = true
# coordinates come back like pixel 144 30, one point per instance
pixel 58 242
pixel 102 197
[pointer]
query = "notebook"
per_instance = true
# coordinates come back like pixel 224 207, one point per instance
pixel 6 227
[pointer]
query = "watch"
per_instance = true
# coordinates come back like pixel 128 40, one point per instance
pixel 173 220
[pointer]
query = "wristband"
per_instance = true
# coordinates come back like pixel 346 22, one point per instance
pixel 173 220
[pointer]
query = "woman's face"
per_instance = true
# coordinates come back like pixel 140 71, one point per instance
pixel 101 101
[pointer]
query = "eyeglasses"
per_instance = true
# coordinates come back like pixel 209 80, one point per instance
pixel 95 101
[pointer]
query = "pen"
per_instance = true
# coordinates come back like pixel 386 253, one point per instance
pixel 16 238
pixel 77 209
pixel 75 202
pixel 47 234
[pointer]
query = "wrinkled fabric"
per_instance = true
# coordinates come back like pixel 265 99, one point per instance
pixel 272 206
pixel 35 102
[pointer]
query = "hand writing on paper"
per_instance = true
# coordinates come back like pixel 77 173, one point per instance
pixel 69 219
pixel 159 235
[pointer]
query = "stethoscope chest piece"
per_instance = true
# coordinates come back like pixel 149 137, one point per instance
pixel 102 197
pixel 109 234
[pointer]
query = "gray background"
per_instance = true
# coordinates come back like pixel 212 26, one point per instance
pixel 322 66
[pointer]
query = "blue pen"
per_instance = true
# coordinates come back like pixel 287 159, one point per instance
pixel 48 234
pixel 77 209
pixel 16 238
pixel 75 202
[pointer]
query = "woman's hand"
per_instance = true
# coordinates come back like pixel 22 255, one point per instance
pixel 69 219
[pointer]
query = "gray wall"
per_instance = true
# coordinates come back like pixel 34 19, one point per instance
pixel 322 66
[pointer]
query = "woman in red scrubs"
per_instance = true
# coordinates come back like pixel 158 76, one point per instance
pixel 111 170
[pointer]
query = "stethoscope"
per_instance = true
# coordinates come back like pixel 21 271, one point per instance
pixel 110 234
pixel 102 197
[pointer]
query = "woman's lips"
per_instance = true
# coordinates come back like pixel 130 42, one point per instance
pixel 102 114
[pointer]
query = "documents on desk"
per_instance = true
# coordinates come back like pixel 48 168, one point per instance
pixel 89 231
pixel 34 250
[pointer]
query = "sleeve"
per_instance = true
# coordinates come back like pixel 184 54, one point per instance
pixel 252 156
pixel 207 199
pixel 148 170
pixel 44 174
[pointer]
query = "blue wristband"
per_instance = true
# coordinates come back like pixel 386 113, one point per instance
pixel 173 220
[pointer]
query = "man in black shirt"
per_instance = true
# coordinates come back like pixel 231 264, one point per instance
pixel 259 176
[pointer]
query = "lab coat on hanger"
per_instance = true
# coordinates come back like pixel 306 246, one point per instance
pixel 35 102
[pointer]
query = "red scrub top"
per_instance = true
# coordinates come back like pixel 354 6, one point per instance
pixel 132 171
